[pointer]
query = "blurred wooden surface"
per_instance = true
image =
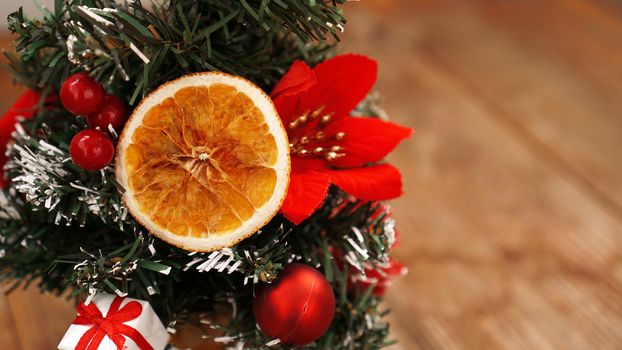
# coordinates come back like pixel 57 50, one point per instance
pixel 512 218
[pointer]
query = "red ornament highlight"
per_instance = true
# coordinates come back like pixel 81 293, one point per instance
pixel 81 94
pixel 297 308
pixel 91 149
pixel 112 112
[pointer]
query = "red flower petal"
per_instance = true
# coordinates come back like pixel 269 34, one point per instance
pixel 366 140
pixel 23 107
pixel 307 190
pixel 304 164
pixel 298 80
pixel 378 182
pixel 342 83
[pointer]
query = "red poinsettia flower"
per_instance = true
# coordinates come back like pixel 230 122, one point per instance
pixel 24 107
pixel 327 144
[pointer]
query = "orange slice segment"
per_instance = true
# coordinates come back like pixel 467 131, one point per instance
pixel 204 161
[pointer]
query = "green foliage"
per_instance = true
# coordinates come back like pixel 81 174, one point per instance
pixel 180 286
pixel 133 49
pixel 322 241
pixel 59 189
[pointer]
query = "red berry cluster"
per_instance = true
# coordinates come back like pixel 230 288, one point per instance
pixel 80 94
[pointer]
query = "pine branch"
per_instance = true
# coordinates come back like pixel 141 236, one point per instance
pixel 132 49
pixel 41 169
pixel 120 260
pixel 360 231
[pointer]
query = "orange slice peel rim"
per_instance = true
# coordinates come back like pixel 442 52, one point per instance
pixel 206 241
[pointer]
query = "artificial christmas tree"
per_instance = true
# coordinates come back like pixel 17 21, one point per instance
pixel 236 162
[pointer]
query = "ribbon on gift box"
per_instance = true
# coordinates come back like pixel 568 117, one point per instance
pixel 112 325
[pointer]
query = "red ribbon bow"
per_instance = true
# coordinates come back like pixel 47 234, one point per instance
pixel 112 325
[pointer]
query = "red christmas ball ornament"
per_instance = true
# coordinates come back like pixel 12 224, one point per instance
pixel 297 308
pixel 112 112
pixel 81 94
pixel 91 149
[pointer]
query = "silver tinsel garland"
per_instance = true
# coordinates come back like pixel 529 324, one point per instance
pixel 45 176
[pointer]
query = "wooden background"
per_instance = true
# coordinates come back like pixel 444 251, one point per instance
pixel 512 221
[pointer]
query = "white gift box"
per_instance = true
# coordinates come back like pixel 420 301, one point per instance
pixel 146 323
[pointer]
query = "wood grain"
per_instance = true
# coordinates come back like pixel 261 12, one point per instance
pixel 512 219
pixel 512 240
pixel 8 337
pixel 39 320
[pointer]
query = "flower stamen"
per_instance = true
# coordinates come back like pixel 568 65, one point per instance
pixel 313 143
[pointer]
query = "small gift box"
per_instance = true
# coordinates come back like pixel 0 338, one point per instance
pixel 110 322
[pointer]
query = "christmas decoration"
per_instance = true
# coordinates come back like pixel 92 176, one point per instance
pixel 329 146
pixel 376 276
pixel 24 107
pixel 380 278
pixel 111 112
pixel 111 322
pixel 219 149
pixel 91 149
pixel 203 155
pixel 81 94
pixel 296 308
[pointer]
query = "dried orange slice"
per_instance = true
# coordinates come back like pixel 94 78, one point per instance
pixel 204 161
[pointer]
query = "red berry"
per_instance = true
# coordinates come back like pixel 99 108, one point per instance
pixel 81 94
pixel 112 112
pixel 91 149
